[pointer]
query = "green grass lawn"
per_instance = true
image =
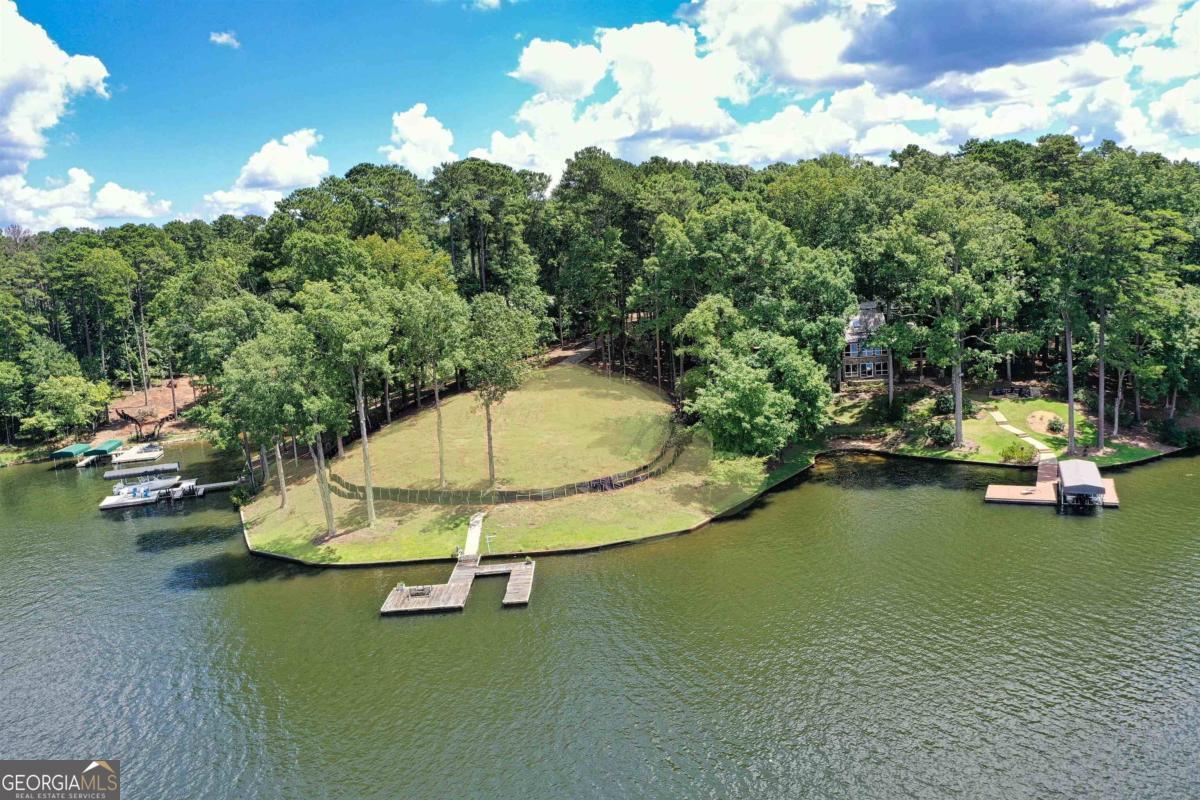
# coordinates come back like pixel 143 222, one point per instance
pixel 566 423
pixel 856 415
pixel 685 496
pixel 12 453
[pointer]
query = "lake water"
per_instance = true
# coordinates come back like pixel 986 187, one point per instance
pixel 875 630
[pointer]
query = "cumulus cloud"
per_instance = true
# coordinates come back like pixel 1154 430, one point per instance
pixel 420 141
pixel 560 69
pixel 917 41
pixel 1173 53
pixel 37 80
pixel 276 168
pixel 225 39
pixel 1179 108
pixel 71 203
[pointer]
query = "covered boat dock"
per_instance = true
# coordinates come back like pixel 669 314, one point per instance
pixel 70 451
pixel 105 448
pixel 1046 489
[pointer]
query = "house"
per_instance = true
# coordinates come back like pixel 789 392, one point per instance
pixel 860 361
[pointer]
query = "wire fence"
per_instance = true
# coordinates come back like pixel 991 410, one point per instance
pixel 676 439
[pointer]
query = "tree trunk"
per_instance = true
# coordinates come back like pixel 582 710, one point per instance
pixel 956 383
pixel 317 451
pixel 891 379
pixel 266 465
pixel 1137 399
pixel 487 411
pixel 1116 426
pixel 279 475
pixel 387 397
pixel 437 403
pixel 1174 400
pixel 366 450
pixel 341 447
pixel 1069 348
pixel 1008 366
pixel 1100 391
pixel 174 404
pixel 249 459
pixel 658 355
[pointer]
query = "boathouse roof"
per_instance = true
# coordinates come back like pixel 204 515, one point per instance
pixel 1079 477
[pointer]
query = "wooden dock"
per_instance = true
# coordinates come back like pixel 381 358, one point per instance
pixel 137 472
pixel 452 595
pixel 1045 491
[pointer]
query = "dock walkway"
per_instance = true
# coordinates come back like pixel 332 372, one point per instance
pixel 1044 491
pixel 452 595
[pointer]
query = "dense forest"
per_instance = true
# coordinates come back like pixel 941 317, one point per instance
pixel 728 286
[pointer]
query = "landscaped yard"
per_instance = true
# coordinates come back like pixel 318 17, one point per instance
pixel 567 423
pixel 863 415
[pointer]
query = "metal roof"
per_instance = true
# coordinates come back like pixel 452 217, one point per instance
pixel 70 451
pixel 104 448
pixel 1079 477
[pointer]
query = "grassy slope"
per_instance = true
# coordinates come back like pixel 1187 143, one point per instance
pixel 680 499
pixel 567 423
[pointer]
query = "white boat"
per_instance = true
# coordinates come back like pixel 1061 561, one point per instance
pixel 145 486
pixel 143 452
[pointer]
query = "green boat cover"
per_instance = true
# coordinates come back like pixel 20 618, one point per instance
pixel 104 448
pixel 70 451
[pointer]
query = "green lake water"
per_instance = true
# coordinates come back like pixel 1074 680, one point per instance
pixel 872 631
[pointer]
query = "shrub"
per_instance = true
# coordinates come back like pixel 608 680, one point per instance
pixel 1017 452
pixel 944 404
pixel 1055 425
pixel 941 434
pixel 1172 433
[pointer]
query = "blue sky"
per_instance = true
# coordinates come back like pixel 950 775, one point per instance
pixel 118 111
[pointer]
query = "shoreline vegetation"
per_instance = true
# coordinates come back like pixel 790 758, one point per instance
pixel 688 496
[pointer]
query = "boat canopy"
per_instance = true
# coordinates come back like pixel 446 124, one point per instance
pixel 104 448
pixel 70 451
pixel 1079 477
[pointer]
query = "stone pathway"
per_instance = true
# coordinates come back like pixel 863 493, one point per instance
pixel 1041 447
pixel 474 530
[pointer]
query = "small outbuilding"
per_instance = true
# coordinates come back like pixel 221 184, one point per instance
pixel 1079 483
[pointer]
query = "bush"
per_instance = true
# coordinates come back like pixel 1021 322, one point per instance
pixel 1055 425
pixel 1170 432
pixel 1017 452
pixel 944 404
pixel 941 434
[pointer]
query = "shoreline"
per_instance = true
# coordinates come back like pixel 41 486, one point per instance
pixel 778 484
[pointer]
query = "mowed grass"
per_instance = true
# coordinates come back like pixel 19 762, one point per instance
pixel 685 496
pixel 566 423
pixel 1018 411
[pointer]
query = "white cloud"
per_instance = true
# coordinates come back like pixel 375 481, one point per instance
pixel 485 5
pixel 71 204
pixel 1160 64
pixel 1039 81
pixel 559 69
pixel 285 164
pixel 420 141
pixel 275 169
pixel 225 39
pixel 37 80
pixel 1179 108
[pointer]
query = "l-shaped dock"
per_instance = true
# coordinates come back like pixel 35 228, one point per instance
pixel 452 595
pixel 1045 491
